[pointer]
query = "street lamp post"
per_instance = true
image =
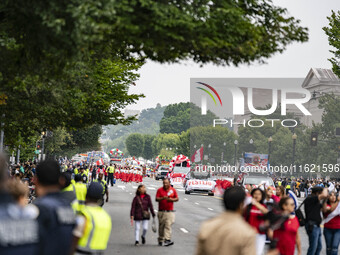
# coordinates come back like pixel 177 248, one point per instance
pixel 209 147
pixel 294 136
pixel 251 141
pixel 224 150
pixel 235 143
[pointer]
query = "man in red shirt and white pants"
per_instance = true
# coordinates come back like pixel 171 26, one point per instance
pixel 166 196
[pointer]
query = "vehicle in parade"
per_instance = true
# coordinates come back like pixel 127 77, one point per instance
pixel 199 182
pixel 179 168
pixel 256 180
pixel 162 172
pixel 116 156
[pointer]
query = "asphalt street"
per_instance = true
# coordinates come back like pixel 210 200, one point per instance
pixel 191 211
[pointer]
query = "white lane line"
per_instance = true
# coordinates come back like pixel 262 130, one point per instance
pixel 134 187
pixel 184 230
pixel 197 203
pixel 185 199
pixel 151 188
pixel 210 209
pixel 121 187
pixel 130 193
pixel 180 189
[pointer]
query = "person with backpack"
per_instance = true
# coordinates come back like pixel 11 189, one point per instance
pixel 313 208
pixel 140 212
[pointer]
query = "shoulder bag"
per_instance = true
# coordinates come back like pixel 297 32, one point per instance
pixel 146 214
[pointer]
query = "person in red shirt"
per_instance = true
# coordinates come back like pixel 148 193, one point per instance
pixel 166 196
pixel 331 229
pixel 288 235
pixel 254 216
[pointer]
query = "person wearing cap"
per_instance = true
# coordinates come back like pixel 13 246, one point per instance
pixel 81 190
pixel 56 219
pixel 104 185
pixel 94 225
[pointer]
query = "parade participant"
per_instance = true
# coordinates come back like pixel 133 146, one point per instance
pixel 280 193
pixel 253 214
pixel 81 190
pixel 56 218
pixel 111 171
pixel 166 196
pixel 269 200
pixel 140 176
pixel 105 188
pixel 288 235
pixel 313 219
pixel 331 231
pixel 19 232
pixel 218 236
pixel 141 205
pixel 117 173
pixel 94 225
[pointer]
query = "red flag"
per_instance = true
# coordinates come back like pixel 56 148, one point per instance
pixel 198 155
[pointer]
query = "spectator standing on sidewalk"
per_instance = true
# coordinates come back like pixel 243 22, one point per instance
pixel 313 219
pixel 166 196
pixel 140 212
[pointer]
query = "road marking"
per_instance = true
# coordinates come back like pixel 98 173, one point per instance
pixel 210 209
pixel 130 193
pixel 180 190
pixel 121 187
pixel 185 199
pixel 197 203
pixel 134 187
pixel 151 188
pixel 184 230
pixel 218 197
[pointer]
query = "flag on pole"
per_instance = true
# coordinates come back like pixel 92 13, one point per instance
pixel 100 162
pixel 198 155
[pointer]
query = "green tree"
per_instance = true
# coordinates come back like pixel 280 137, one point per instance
pixel 148 152
pixel 164 141
pixel 135 144
pixel 74 61
pixel 333 33
pixel 180 117
pixel 216 137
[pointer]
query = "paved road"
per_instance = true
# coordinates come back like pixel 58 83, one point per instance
pixel 191 210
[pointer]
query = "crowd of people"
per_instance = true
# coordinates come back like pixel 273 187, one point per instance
pixel 68 201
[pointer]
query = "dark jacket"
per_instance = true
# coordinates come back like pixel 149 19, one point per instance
pixel 136 209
